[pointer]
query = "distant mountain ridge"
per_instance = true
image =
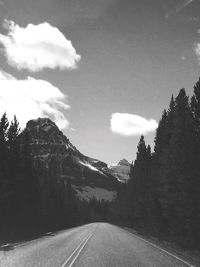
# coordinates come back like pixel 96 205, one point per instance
pixel 121 171
pixel 59 161
pixel 123 162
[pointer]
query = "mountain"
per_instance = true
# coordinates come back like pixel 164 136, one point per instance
pixel 121 171
pixel 58 162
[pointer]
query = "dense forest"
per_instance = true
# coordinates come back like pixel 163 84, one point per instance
pixel 24 213
pixel 162 196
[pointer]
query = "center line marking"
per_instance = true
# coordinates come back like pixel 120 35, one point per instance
pixel 81 246
pixel 80 250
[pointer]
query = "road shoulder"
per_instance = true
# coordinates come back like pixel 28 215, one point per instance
pixel 192 256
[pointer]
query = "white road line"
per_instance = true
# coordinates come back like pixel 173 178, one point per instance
pixel 80 250
pixel 167 252
pixel 75 250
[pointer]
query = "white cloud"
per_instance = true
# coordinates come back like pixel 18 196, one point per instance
pixel 36 47
pixel 30 99
pixel 197 50
pixel 130 124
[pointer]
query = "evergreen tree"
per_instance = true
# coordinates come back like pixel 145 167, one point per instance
pixel 13 149
pixel 160 138
pixel 13 132
pixel 139 185
pixel 162 195
pixel 176 173
pixel 195 218
pixel 195 102
pixel 159 166
pixel 3 146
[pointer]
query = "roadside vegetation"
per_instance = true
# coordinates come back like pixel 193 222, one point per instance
pixel 162 196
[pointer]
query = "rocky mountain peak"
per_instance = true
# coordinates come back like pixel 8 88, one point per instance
pixel 121 171
pixel 58 162
pixel 123 162
pixel 42 122
pixel 43 130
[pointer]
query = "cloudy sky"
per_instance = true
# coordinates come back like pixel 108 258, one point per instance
pixel 103 70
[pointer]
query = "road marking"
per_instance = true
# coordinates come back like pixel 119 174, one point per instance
pixel 74 251
pixel 80 250
pixel 81 246
pixel 39 239
pixel 152 244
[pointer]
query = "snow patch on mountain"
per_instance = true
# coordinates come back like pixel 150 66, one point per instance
pixel 121 170
pixel 91 167
pixel 58 160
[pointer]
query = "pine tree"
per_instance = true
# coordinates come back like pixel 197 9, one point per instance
pixel 3 127
pixel 26 198
pixel 162 140
pixel 13 149
pixel 195 217
pixel 195 101
pixel 3 146
pixel 176 172
pixel 13 132
pixel 139 185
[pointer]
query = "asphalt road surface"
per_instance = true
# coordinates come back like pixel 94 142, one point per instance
pixel 91 245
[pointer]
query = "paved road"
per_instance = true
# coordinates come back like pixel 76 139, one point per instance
pixel 92 245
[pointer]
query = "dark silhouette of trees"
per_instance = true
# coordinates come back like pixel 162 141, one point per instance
pixel 33 201
pixel 3 146
pixel 139 185
pixel 162 195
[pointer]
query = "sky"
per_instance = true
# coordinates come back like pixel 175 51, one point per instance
pixel 102 70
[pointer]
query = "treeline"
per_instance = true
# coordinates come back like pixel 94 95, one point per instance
pixel 17 200
pixel 162 197
pixel 31 203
